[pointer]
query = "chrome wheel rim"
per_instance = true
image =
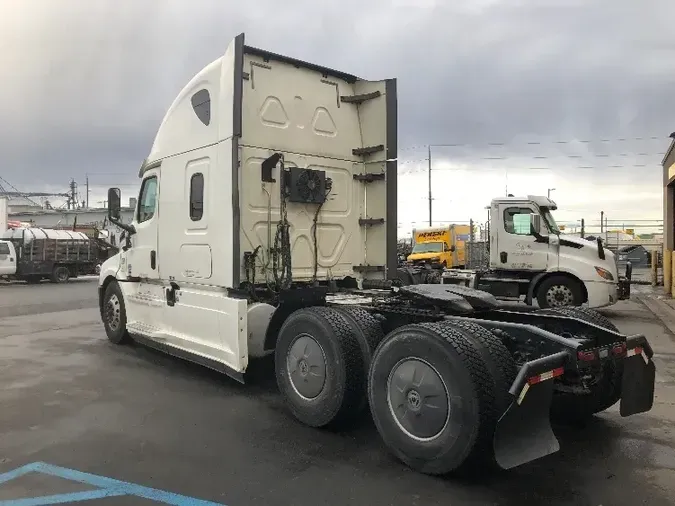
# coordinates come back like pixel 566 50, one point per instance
pixel 559 295
pixel 113 312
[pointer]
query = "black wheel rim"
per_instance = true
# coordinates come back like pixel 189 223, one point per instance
pixel 306 365
pixel 113 313
pixel 418 399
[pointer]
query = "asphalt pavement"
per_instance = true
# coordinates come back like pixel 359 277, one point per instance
pixel 146 426
pixel 19 298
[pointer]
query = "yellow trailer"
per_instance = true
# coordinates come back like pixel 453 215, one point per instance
pixel 443 246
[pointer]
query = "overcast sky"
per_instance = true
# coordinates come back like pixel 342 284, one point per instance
pixel 85 84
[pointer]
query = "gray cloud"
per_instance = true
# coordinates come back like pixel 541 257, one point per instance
pixel 85 84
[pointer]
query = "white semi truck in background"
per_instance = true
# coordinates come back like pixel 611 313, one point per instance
pixel 266 223
pixel 530 259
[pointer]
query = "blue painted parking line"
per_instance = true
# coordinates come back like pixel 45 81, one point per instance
pixel 105 487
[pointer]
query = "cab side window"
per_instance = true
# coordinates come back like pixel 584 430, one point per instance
pixel 517 220
pixel 4 248
pixel 197 196
pixel 147 200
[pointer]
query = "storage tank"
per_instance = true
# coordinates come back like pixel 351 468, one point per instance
pixel 29 234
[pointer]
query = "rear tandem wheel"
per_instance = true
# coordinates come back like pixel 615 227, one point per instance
pixel 320 367
pixel 433 397
pixel 575 408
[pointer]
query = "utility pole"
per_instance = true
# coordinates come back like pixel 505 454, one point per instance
pixel 87 183
pixel 430 185
pixel 72 199
pixel 602 220
pixel 549 192
pixel 582 228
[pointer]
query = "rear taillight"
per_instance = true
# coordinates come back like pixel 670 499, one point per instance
pixel 619 350
pixel 586 356
pixel 635 351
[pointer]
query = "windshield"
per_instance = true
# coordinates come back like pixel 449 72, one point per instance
pixel 550 222
pixel 428 247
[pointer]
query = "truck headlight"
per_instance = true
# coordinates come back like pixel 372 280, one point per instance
pixel 435 259
pixel 604 273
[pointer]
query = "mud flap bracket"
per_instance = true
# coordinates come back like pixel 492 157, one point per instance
pixel 524 432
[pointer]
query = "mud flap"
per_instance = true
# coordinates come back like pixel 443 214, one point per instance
pixel 524 432
pixel 624 282
pixel 637 386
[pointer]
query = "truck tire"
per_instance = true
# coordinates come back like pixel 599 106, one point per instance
pixel 576 408
pixel 404 276
pixel 321 339
pixel 582 313
pixel 369 333
pixel 559 291
pixel 439 361
pixel 368 330
pixel 496 356
pixel 597 318
pixel 60 274
pixel 114 315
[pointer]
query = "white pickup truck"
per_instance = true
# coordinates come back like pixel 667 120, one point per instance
pixel 530 258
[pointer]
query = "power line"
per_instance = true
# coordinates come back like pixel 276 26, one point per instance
pixel 536 143
pixel 586 167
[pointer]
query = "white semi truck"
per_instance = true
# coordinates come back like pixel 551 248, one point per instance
pixel 529 258
pixel 266 223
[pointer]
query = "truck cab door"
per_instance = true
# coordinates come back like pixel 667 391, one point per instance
pixel 516 246
pixel 142 257
pixel 7 258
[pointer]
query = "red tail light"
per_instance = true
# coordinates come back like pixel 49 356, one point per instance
pixel 586 356
pixel 619 349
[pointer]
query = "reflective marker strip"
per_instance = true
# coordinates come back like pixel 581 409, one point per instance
pixel 546 376
pixel 538 379
pixel 634 351
pixel 638 351
pixel 522 393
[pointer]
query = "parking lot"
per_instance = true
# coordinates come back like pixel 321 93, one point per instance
pixel 157 425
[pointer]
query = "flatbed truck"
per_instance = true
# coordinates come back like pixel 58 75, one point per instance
pixel 33 254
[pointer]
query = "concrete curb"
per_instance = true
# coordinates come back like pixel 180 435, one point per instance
pixel 661 310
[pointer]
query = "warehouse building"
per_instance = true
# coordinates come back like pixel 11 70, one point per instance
pixel 668 212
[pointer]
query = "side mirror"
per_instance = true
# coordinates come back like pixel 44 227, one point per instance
pixel 114 204
pixel 535 222
pixel 452 248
